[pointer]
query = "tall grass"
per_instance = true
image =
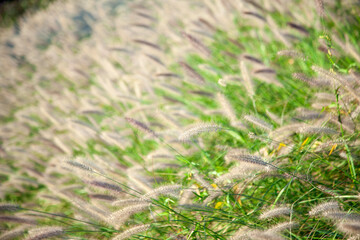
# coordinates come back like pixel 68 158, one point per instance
pixel 181 120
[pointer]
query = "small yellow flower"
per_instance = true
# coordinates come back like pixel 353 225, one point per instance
pixel 218 205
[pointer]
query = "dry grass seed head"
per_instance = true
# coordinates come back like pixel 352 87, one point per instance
pixel 325 208
pixel 342 216
pixel 258 122
pixel 141 126
pixel 349 227
pixel 197 44
pixel 119 217
pixel 280 211
pixel 169 190
pixel 196 129
pixel 44 232
pixel 13 233
pixel 132 231
pixel 9 207
pixel 283 226
pixel 195 76
pixel 17 219
pixel 248 83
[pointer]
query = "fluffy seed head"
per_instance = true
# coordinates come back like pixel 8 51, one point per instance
pixel 351 227
pixel 131 231
pixel 141 126
pixel 198 79
pixel 45 232
pixel 197 129
pixel 280 211
pixel 258 122
pixel 197 44
pixel 283 226
pixel 325 208
pixel 169 190
pixel 9 207
pixel 106 185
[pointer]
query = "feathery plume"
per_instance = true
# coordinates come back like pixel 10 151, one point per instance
pixel 351 227
pixel 342 216
pixel 186 196
pixel 324 208
pixel 320 7
pixel 291 53
pixel 196 129
pixel 132 231
pixel 9 207
pixel 13 233
pixel 149 44
pixel 263 235
pixel 16 219
pixel 163 190
pixel 126 202
pixel 198 79
pixel 249 159
pixel 119 217
pixel 201 180
pixel 226 107
pixel 338 79
pixel 317 130
pixel 197 44
pixel 298 27
pixel 44 232
pixel 258 122
pixel 102 197
pixel 230 176
pixel 254 14
pixel 106 185
pixel 311 81
pixel 80 166
pixel 212 196
pixel 248 83
pixel 141 126
pixel 283 226
pixel 280 211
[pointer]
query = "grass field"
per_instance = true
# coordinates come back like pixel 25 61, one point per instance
pixel 181 120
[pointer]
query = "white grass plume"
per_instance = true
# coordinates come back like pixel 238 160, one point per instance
pixel 283 226
pixel 349 227
pixel 276 212
pixel 119 217
pixel 126 202
pixel 141 126
pixel 201 180
pixel 13 233
pixel 226 107
pixel 230 176
pixel 317 130
pixel 106 185
pixel 258 122
pixel 342 216
pixel 169 190
pixel 196 129
pixel 194 76
pixel 9 207
pixel 44 232
pixel 249 162
pixel 197 44
pixel 331 206
pixel 291 53
pixel 132 231
pixel 248 83
pixel 17 219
